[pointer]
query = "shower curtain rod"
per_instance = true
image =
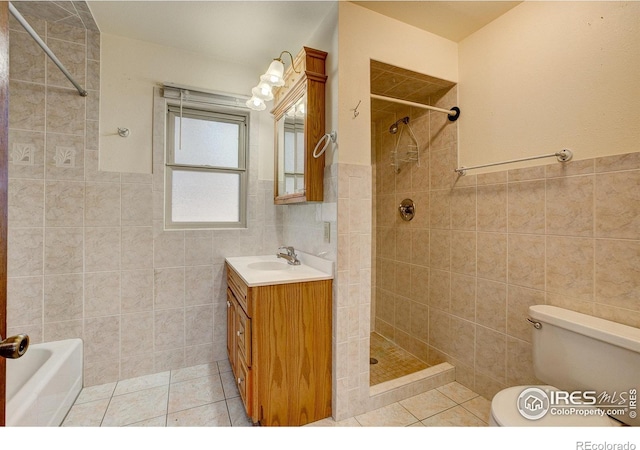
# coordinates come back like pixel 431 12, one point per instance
pixel 453 113
pixel 40 42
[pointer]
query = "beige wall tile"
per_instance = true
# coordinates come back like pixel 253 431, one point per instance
pixel 613 163
pixel 26 154
pixel 101 294
pixel 63 250
pixel 440 290
pixel 26 203
pixel 168 288
pixel 526 259
pixel 491 353
pixel 27 106
pixel 518 302
pixel 27 58
pixel 136 204
pixel 62 297
pixel 102 249
pixel 136 335
pixel 492 207
pixel 137 290
pixel 526 207
pixel 617 268
pixel 99 338
pixel 519 363
pixel 24 301
pixel 463 252
pixel 463 340
pixel 66 111
pixel 102 204
pixel 440 209
pixel 618 205
pixel 24 251
pixel 569 210
pixel 491 304
pixel 64 203
pixel 420 284
pixel 439 249
pixel 570 168
pixel 137 248
pixel 463 296
pixel 420 247
pixel 463 215
pixel 492 256
pixel 569 267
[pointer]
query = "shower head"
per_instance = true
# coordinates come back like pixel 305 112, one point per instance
pixel 393 129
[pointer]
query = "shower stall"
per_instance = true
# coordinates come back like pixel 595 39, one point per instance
pixel 414 152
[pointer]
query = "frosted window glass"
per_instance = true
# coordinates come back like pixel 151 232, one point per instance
pixel 205 196
pixel 289 184
pixel 206 142
pixel 300 150
pixel 289 149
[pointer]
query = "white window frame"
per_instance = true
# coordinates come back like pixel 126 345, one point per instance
pixel 208 112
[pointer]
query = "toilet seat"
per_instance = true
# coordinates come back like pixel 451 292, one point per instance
pixel 504 413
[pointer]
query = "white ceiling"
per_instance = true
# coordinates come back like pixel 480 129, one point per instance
pixel 454 20
pixel 254 32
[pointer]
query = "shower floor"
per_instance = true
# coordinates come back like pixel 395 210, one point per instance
pixel 393 362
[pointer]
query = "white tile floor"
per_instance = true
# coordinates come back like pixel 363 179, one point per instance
pixel 206 396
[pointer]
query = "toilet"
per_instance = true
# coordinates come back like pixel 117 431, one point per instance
pixel 582 359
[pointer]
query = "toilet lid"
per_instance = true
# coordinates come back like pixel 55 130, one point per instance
pixel 504 411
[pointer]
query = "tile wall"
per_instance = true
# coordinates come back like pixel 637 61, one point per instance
pixel 455 284
pixel 88 256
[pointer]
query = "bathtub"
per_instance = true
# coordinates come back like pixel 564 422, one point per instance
pixel 44 383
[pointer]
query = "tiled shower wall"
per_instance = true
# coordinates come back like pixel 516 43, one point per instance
pixel 485 247
pixel 88 256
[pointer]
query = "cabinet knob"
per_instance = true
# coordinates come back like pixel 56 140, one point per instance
pixel 239 333
pixel 240 380
pixel 228 304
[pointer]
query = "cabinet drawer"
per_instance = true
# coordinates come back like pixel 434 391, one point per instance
pixel 238 287
pixel 243 335
pixel 243 381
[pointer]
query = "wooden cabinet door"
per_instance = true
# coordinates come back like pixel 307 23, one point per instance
pixel 292 352
pixel 231 330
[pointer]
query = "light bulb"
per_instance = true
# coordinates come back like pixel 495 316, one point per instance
pixel 255 103
pixel 274 75
pixel 263 91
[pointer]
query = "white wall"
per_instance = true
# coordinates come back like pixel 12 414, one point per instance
pixel 130 69
pixel 551 75
pixel 366 35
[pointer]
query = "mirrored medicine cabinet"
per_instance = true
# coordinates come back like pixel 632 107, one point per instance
pixel 299 116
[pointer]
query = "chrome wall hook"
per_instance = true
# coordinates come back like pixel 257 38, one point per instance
pixel 356 113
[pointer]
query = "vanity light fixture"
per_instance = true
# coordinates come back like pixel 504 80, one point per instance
pixel 274 76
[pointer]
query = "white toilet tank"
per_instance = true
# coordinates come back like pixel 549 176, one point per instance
pixel 578 352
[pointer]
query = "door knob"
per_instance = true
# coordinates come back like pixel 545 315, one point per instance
pixel 14 346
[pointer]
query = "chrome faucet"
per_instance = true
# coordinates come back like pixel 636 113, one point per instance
pixel 290 255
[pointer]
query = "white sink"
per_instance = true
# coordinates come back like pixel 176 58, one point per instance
pixel 266 270
pixel 269 265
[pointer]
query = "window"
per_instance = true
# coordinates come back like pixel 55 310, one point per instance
pixel 206 170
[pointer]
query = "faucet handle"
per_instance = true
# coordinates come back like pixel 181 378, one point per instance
pixel 290 250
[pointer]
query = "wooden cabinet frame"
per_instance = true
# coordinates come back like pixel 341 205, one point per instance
pixel 286 364
pixel 311 81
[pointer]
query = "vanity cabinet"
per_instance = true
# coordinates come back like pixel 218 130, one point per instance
pixel 279 344
pixel 299 115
